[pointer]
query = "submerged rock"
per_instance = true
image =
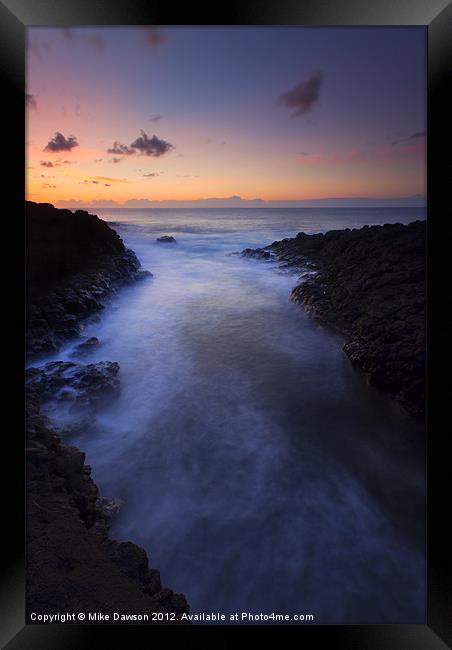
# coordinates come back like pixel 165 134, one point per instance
pixel 78 384
pixel 87 346
pixel 166 239
pixel 257 253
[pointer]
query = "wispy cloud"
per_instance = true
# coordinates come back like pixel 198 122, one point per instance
pixel 120 149
pixel 362 156
pixel 418 135
pixel 31 101
pixel 107 179
pixel 39 47
pixel 84 37
pixel 155 118
pixel 154 37
pixel 60 143
pixel 48 163
pixel 301 99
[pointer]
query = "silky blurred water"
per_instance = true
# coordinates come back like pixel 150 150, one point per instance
pixel 256 466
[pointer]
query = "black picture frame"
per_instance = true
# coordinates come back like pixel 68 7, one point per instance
pixel 15 17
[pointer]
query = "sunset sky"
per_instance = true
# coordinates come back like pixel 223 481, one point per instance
pixel 132 114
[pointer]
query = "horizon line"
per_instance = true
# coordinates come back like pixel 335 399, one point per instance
pixel 414 200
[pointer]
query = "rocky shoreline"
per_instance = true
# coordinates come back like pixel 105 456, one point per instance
pixel 74 262
pixel 369 284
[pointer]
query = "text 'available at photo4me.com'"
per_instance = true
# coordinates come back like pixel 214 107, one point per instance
pixel 168 617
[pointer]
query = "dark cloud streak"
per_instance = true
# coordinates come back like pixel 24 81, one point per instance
pixel 304 96
pixel 414 136
pixel 31 101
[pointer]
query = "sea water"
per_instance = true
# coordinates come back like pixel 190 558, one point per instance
pixel 257 468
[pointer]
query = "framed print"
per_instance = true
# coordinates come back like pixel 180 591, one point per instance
pixel 229 415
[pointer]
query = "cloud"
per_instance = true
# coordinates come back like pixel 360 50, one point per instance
pixel 60 143
pixel 107 179
pixel 107 184
pixel 48 163
pixel 96 180
pixel 104 203
pixel 84 37
pixel 418 135
pixel 115 159
pixel 155 118
pixel 138 203
pixel 416 200
pixel 71 203
pixel 150 175
pixel 309 159
pixel 31 101
pixel 96 203
pixel 304 96
pixel 362 156
pixel 154 37
pixel 48 186
pixel 212 141
pixel 120 149
pixel 151 146
pixel 39 47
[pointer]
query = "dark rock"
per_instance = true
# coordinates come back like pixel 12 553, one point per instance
pixel 72 565
pixel 108 508
pixel 87 346
pixel 78 384
pixel 370 284
pixel 257 253
pixel 166 239
pixel 74 262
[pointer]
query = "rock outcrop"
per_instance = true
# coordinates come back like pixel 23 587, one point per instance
pixel 166 239
pixel 370 284
pixel 74 262
pixel 72 565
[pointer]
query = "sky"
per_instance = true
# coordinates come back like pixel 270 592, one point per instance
pixel 137 116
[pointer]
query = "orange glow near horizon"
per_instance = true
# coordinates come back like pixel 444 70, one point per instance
pixel 244 145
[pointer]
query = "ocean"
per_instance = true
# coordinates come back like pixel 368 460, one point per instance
pixel 254 464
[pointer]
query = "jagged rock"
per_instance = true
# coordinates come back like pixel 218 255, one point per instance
pixel 87 346
pixel 72 565
pixel 108 508
pixel 74 262
pixel 81 385
pixel 370 284
pixel 257 253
